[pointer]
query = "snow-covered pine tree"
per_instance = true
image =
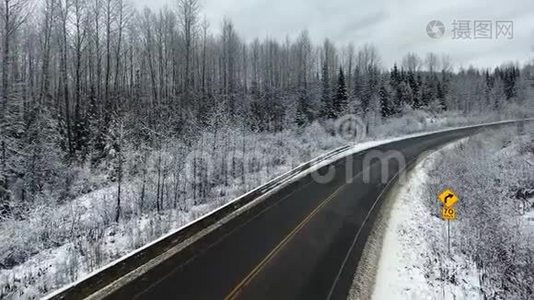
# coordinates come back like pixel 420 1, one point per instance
pixel 385 102
pixel 441 95
pixel 326 97
pixel 304 114
pixel 341 99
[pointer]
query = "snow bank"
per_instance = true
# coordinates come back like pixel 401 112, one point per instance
pixel 409 267
pixel 492 245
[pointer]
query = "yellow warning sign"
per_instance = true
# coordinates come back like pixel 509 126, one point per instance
pixel 448 198
pixel 448 213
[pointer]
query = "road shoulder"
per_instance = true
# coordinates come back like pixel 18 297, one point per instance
pixel 397 241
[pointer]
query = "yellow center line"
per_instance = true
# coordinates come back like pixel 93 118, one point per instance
pixel 235 292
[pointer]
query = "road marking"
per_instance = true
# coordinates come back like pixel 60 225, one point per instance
pixel 347 256
pixel 261 212
pixel 235 292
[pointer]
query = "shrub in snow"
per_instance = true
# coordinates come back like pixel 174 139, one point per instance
pixel 487 172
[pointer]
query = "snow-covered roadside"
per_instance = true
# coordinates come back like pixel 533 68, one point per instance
pixel 407 252
pixel 491 253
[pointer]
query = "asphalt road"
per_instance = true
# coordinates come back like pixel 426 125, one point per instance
pixel 304 242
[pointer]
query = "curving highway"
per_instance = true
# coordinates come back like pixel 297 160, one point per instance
pixel 302 242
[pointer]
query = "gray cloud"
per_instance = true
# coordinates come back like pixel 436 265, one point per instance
pixel 394 26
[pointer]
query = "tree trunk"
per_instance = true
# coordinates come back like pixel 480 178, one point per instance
pixel 5 58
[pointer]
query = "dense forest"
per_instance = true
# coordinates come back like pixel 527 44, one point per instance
pixel 97 92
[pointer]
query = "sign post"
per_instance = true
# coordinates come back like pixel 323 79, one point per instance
pixel 448 198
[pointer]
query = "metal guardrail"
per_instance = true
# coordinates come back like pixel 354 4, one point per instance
pixel 115 270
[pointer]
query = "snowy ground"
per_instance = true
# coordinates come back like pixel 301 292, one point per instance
pixel 407 253
pixel 67 242
pixel 491 250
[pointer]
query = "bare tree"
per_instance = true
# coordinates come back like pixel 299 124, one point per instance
pixel 97 81
pixel 48 11
pixel 411 62
pixel 13 14
pixel 431 62
pixel 368 58
pixel 109 11
pixel 446 63
pixel 188 17
pixel 205 27
pixel 63 11
pixel 122 18
pixel 80 20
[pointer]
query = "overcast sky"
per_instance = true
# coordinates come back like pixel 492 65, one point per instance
pixel 395 27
